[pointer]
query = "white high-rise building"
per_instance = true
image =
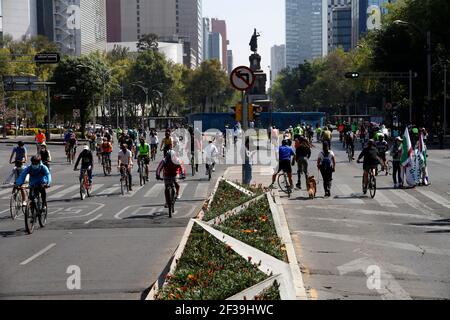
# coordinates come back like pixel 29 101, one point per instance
pixel 19 18
pixel 277 61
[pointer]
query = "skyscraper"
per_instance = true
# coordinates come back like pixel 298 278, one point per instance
pixel 333 4
pixel 171 20
pixel 206 32
pixel 19 18
pixel 215 46
pixel 342 28
pixel 230 61
pixel 306 30
pixel 366 15
pixel 277 61
pixel 220 26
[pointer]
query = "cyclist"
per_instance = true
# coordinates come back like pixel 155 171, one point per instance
pixel 71 143
pixel 154 142
pixel 172 167
pixel 310 133
pixel 129 141
pixel 46 157
pixel 371 161
pixel 326 136
pixel 87 163
pixel 382 147
pixel 40 178
pixel 211 153
pixel 143 152
pixel 318 132
pixel 302 155
pixel 20 156
pixel 166 143
pixel 350 138
pixel 40 139
pixel 297 131
pixel 326 163
pixel 286 155
pixel 106 150
pixel 362 134
pixel 125 159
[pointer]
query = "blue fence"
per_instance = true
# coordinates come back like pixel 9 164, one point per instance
pixel 281 120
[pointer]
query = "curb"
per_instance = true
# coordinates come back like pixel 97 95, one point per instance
pixel 297 277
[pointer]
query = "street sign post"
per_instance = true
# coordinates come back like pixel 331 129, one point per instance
pixel 242 78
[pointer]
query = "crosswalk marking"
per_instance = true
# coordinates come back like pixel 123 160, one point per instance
pixel 348 192
pixel 6 191
pixel 182 188
pixel 202 190
pixel 62 193
pixel 383 200
pixel 413 202
pixel 97 187
pixel 155 191
pixel 436 198
pixel 109 191
pixel 52 189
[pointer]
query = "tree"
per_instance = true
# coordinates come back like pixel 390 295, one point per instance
pixel 118 53
pixel 81 78
pixel 148 42
pixel 208 85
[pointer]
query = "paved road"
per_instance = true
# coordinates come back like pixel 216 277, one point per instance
pixel 120 243
pixel 343 242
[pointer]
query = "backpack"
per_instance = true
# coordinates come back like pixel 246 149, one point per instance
pixel 326 162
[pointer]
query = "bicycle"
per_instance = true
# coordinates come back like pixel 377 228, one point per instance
pixel 143 168
pixel 372 183
pixel 283 183
pixel 106 164
pixel 85 186
pixel 193 164
pixel 71 154
pixel 349 153
pixel 35 209
pixel 209 169
pixel 124 179
pixel 16 202
pixel 153 152
pixel 170 194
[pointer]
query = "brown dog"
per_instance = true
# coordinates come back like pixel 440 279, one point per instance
pixel 312 187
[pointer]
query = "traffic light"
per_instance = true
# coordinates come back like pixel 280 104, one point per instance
pixel 352 75
pixel 238 112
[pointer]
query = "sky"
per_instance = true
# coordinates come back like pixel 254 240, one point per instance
pixel 242 16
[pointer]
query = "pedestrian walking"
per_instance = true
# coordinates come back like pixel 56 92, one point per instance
pixel 396 152
pixel 326 163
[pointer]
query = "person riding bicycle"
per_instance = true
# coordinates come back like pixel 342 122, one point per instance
pixel 350 138
pixel 286 156
pixel 371 161
pixel 326 136
pixel 87 163
pixel 40 178
pixel 125 159
pixel 211 153
pixel 143 154
pixel 20 155
pixel 302 155
pixel 382 147
pixel 318 132
pixel 154 141
pixel 171 168
pixel 71 142
pixel 106 150
pixel 129 141
pixel 297 131
pixel 39 139
pixel 46 157
pixel 166 143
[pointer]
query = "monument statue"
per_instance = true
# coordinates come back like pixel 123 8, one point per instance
pixel 254 41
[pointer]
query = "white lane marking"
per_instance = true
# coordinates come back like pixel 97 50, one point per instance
pixel 155 191
pixel 370 212
pixel 6 191
pixel 182 188
pixel 76 211
pixel 370 242
pixel 93 219
pixel 202 190
pixel 50 190
pixel 414 202
pixel 96 187
pixel 365 222
pixel 37 254
pixel 109 191
pixel 133 193
pixel 64 192
pixel 348 192
pixel 383 200
pixel 436 198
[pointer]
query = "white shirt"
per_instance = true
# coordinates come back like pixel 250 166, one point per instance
pixel 211 152
pixel 124 157
pixel 154 140
pixel 330 156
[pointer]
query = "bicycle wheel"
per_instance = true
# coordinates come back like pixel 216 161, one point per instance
pixel 87 187
pixel 193 166
pixel 283 183
pixel 29 218
pixel 209 172
pixel 171 201
pixel 141 174
pixel 105 167
pixel 373 186
pixel 15 204
pixel 42 217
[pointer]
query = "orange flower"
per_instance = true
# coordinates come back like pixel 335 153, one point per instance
pixel 249 231
pixel 192 277
pixel 264 218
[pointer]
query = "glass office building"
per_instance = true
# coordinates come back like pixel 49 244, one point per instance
pixel 342 28
pixel 306 30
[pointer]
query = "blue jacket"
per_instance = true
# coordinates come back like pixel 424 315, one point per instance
pixel 38 177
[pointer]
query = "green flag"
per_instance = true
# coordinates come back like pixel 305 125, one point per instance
pixel 407 152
